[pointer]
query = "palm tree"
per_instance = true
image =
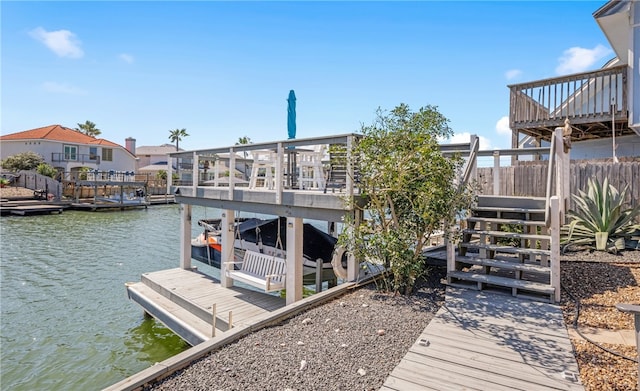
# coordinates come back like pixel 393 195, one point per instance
pixel 176 136
pixel 89 128
pixel 243 141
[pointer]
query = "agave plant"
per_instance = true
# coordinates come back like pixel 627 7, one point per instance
pixel 600 217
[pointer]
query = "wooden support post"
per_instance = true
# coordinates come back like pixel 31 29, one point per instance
pixel 350 168
pixel 185 236
pixel 169 174
pixel 279 177
pixel 319 276
pixel 232 173
pixel 353 269
pixel 213 320
pixel 227 246
pixel 230 324
pixel 635 310
pixel 555 247
pixel 451 251
pixel 195 171
pixel 496 172
pixel 294 259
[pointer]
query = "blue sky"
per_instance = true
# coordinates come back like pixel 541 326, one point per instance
pixel 223 70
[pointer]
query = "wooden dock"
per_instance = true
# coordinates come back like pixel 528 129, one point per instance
pixel 29 207
pixel 187 302
pixel 489 341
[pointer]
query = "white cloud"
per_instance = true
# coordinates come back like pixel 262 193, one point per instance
pixel 577 59
pixel 126 58
pixel 465 137
pixel 502 126
pixel 62 88
pixel 62 42
pixel 513 74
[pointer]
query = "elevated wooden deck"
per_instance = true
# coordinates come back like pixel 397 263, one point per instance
pixel 489 341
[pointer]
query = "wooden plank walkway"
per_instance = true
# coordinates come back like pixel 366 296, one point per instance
pixel 489 341
pixel 37 207
pixel 183 300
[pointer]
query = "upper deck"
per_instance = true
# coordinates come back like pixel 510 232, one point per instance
pixel 309 178
pixel 594 102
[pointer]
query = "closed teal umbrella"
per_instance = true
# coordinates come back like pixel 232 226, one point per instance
pixel 291 115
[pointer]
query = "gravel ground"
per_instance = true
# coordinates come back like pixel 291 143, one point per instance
pixel 351 343
pixel 600 281
pixel 9 192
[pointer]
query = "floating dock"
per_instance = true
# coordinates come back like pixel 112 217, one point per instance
pixel 195 306
pixel 29 207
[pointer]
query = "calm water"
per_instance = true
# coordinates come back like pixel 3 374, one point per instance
pixel 66 322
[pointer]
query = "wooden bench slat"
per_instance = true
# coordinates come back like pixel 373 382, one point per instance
pixel 263 271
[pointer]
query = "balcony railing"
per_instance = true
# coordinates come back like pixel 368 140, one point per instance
pixel 298 164
pixel 538 107
pixel 75 157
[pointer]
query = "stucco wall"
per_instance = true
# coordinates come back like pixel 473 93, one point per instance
pixel 122 160
pixel 634 63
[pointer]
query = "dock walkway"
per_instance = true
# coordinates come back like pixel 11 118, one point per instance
pixel 184 301
pixel 489 341
pixel 30 207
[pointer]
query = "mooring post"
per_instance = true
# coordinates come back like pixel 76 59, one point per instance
pixel 213 320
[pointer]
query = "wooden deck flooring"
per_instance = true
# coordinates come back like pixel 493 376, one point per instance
pixel 183 300
pixel 489 341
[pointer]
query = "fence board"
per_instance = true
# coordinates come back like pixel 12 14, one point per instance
pixel 529 178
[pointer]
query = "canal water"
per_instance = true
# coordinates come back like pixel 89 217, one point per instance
pixel 66 322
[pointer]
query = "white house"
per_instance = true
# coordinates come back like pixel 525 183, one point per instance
pixel 68 150
pixel 152 159
pixel 620 23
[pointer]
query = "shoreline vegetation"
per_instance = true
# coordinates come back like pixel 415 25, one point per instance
pixel 599 280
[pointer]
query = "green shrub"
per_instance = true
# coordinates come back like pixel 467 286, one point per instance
pixel 600 218
pixel 22 161
pixel 46 170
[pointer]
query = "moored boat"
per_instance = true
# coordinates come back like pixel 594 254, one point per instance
pixel 265 236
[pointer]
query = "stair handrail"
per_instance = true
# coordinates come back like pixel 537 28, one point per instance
pixel 550 176
pixel 473 156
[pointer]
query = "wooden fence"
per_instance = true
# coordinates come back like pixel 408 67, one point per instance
pixel 529 178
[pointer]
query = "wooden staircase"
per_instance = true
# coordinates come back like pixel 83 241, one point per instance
pixel 506 245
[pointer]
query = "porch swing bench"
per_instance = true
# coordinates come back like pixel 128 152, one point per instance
pixel 262 271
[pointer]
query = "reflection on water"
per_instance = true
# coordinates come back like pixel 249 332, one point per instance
pixel 66 322
pixel 153 342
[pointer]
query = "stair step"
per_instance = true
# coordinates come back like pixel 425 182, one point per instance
pixel 503 281
pixel 182 322
pixel 505 264
pixel 503 234
pixel 494 220
pixel 506 209
pixel 506 249
pixel 511 202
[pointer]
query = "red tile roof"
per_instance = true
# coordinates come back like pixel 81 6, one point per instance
pixel 58 133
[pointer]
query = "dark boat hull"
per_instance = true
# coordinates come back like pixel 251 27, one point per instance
pixel 317 246
pixel 199 253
